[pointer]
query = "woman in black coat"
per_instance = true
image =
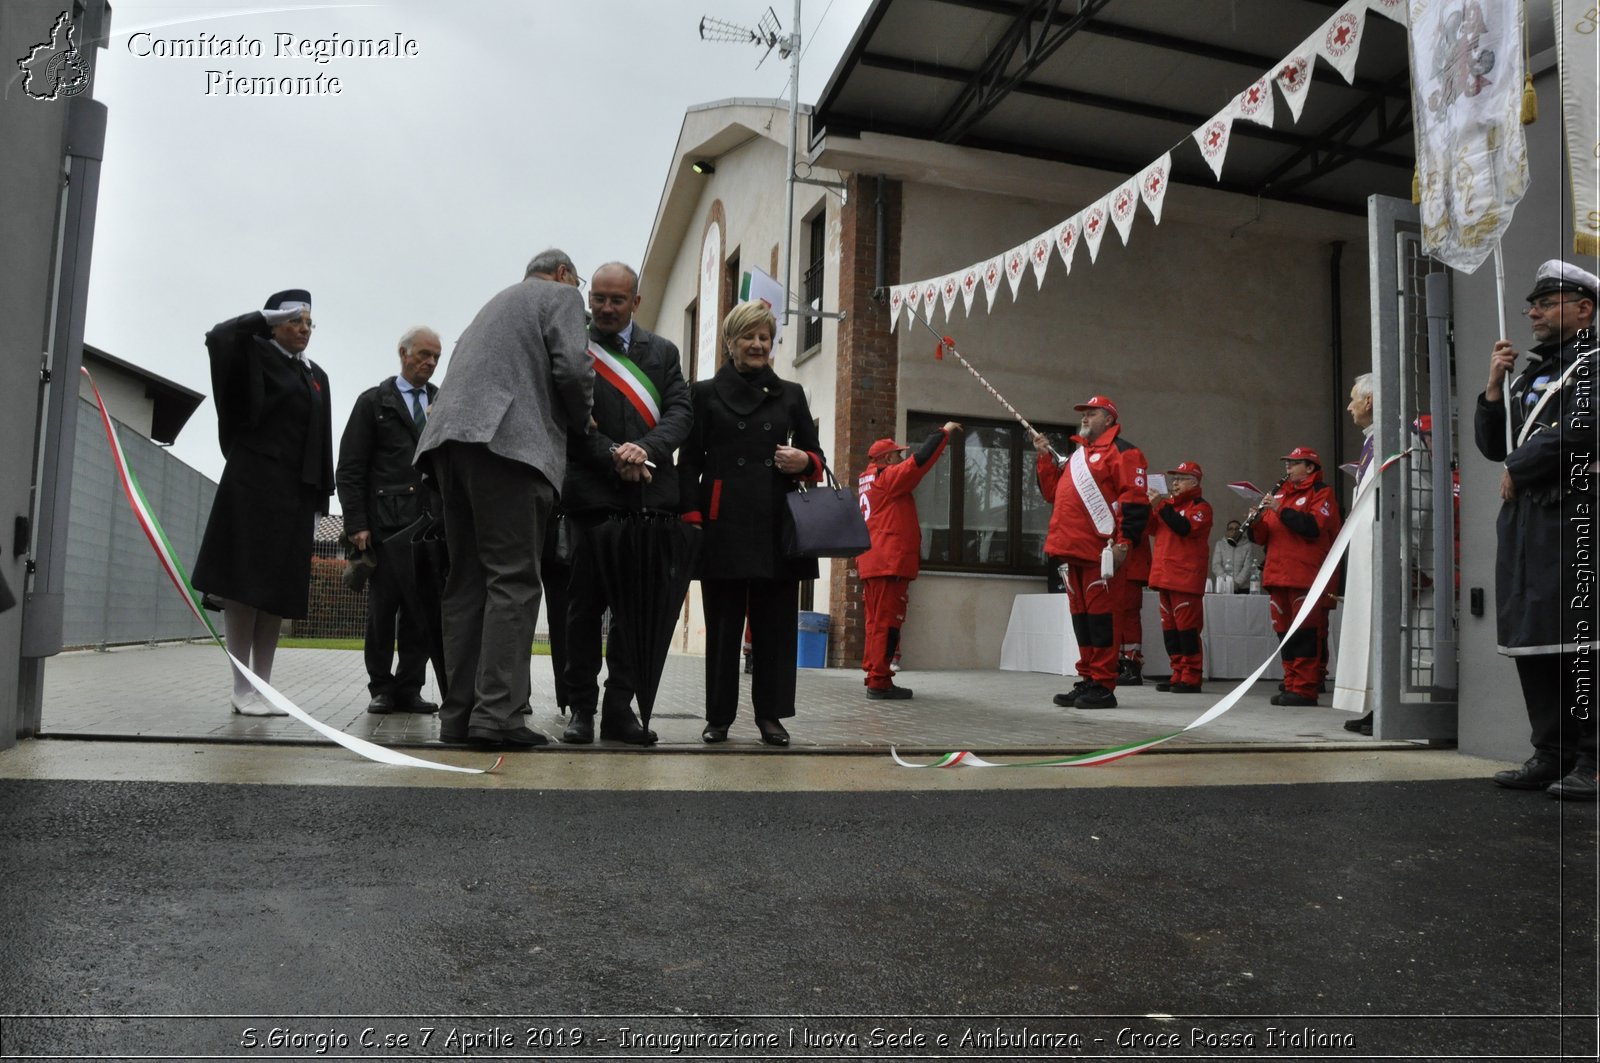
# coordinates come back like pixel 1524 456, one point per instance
pixel 277 439
pixel 752 443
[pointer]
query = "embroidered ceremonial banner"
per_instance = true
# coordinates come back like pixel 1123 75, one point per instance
pixel 1466 103
pixel 1578 51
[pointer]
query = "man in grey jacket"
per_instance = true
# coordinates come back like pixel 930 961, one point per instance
pixel 496 442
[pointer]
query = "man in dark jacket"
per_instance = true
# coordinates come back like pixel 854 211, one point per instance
pixel 642 414
pixel 380 492
pixel 1545 612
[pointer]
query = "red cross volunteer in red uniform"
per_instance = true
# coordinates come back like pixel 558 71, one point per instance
pixel 1297 526
pixel 887 569
pixel 1100 507
pixel 1180 529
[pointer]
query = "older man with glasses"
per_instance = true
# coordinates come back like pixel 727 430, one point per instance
pixel 496 441
pixel 1541 424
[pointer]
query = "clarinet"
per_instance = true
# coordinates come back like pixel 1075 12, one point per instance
pixel 1244 529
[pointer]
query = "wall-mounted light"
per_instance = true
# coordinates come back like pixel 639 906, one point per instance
pixel 701 166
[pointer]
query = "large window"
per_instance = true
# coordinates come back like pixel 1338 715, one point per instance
pixel 980 508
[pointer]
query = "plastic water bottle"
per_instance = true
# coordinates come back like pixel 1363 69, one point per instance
pixel 1255 579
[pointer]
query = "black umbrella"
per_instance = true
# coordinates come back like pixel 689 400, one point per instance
pixel 645 558
pixel 430 559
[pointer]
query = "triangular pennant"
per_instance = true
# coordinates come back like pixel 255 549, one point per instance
pixel 914 298
pixel 897 304
pixel 1039 256
pixel 1391 9
pixel 993 270
pixel 1066 239
pixel 1016 262
pixel 1255 103
pixel 1294 77
pixel 969 285
pixel 1124 202
pixel 949 288
pixel 1213 139
pixel 1094 227
pixel 930 299
pixel 1341 38
pixel 1153 185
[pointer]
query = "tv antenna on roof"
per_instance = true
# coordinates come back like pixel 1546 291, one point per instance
pixel 768 35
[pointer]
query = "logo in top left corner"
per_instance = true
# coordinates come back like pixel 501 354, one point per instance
pixel 55 69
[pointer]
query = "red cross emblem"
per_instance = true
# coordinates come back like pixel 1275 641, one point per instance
pixel 930 294
pixel 969 282
pixel 1014 264
pixel 1214 137
pixel 992 276
pixel 949 289
pixel 1041 251
pixel 1152 184
pixel 1124 201
pixel 914 296
pixel 1093 224
pixel 1291 73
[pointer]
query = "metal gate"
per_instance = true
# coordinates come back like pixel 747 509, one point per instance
pixel 1415 561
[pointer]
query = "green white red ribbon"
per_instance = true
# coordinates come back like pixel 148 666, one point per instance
pixel 622 373
pixel 1336 552
pixel 180 579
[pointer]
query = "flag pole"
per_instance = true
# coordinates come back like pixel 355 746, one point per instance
pixel 1500 301
pixel 948 344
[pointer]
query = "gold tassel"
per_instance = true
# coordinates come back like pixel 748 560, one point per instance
pixel 1416 185
pixel 1530 99
pixel 1586 243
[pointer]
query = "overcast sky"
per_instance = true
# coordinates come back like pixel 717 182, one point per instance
pixel 415 193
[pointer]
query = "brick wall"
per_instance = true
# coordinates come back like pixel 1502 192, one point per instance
pixel 868 375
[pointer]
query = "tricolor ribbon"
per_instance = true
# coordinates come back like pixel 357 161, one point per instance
pixel 180 579
pixel 1341 543
pixel 622 373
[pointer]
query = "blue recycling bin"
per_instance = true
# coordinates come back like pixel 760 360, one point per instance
pixel 811 651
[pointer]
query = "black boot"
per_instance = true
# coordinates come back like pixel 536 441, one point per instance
pixel 1130 672
pixel 621 725
pixel 580 732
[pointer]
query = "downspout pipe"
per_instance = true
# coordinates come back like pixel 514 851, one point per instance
pixel 1336 346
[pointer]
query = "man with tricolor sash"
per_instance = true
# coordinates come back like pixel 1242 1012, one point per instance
pixel 642 414
pixel 1100 507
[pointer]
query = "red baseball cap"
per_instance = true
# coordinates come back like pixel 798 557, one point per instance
pixel 1304 454
pixel 1098 402
pixel 1187 468
pixel 883 447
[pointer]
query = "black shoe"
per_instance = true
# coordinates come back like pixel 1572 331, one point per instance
pixel 888 693
pixel 772 732
pixel 414 704
pixel 749 665
pixel 1163 687
pixel 713 734
pixel 1095 697
pixel 516 738
pixel 452 738
pixel 380 705
pixel 1292 700
pixel 627 729
pixel 1186 688
pixel 580 732
pixel 1066 700
pixel 1361 726
pixel 1577 785
pixel 1537 773
pixel 1130 673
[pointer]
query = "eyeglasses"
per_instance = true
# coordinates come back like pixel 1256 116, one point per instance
pixel 1544 306
pixel 577 281
pixel 596 299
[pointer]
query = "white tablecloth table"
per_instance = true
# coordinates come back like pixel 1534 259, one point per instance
pixel 1237 637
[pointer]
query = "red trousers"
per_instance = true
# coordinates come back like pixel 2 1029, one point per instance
pixel 1130 619
pixel 1304 659
pixel 1183 617
pixel 885 599
pixel 1091 601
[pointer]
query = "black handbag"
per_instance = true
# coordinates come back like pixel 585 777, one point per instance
pixel 824 521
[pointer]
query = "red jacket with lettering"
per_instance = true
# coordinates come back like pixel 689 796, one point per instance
pixel 1181 531
pixel 891 512
pixel 1298 535
pixel 1118 468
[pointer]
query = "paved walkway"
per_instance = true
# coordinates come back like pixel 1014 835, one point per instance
pixel 180 692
